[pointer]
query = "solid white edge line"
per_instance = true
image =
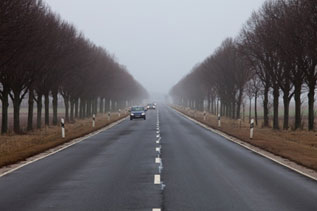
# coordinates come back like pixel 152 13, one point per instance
pixel 156 209
pixel 228 137
pixel 157 179
pixel 63 148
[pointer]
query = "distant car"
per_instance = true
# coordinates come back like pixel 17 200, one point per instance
pixel 137 112
pixel 150 106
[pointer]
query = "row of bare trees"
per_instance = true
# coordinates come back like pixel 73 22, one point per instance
pixel 43 57
pixel 274 55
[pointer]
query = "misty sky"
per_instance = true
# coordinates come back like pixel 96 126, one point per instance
pixel 158 41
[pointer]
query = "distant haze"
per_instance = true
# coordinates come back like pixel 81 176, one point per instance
pixel 158 41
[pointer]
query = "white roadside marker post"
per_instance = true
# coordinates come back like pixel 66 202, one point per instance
pixel 219 121
pixel 63 127
pixel 119 112
pixel 108 116
pixel 93 120
pixel 251 128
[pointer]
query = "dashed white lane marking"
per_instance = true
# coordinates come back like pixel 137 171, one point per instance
pixel 157 179
pixel 157 136
pixel 156 209
pixel 157 141
pixel 157 149
pixel 157 132
pixel 157 160
pixel 67 145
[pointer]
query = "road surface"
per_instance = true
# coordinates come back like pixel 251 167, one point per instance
pixel 117 170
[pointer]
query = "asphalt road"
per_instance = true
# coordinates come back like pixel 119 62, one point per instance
pixel 114 170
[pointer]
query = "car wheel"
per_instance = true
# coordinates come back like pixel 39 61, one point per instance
pixel 131 118
pixel 144 118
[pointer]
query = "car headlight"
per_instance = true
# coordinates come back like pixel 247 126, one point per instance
pixel 132 114
pixel 143 114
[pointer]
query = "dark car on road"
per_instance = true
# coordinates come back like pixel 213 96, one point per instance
pixel 150 106
pixel 137 112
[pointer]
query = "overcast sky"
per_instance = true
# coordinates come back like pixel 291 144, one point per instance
pixel 158 41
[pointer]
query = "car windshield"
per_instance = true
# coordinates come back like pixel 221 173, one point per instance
pixel 137 109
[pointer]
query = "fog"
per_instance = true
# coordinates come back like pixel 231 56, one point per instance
pixel 158 41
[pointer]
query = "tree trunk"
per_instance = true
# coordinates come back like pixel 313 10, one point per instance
pixel 239 103
pixel 256 108
pixel 286 102
pixel 217 107
pixel 47 108
pixel 55 106
pixel 101 105
pixel 243 112
pixel 250 108
pixel 76 108
pixel 84 108
pixel 266 106
pixel 208 103
pixel 276 95
pixel 88 108
pixel 115 107
pixel 311 101
pixel 233 113
pixel 297 97
pixel 30 110
pixel 72 110
pixel 212 105
pixel 81 108
pixel 39 111
pixel 66 103
pixel 16 112
pixel 5 106
pixel 106 106
pixel 96 106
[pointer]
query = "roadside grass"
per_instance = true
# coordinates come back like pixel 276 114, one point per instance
pixel 298 146
pixel 15 148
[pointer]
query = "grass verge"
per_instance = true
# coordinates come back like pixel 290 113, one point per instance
pixel 297 146
pixel 15 148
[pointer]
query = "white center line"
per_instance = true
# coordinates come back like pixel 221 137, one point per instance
pixel 157 160
pixel 157 179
